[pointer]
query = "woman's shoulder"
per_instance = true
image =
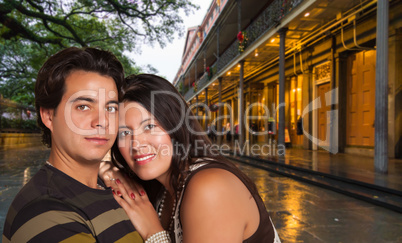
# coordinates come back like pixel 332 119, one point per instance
pixel 214 182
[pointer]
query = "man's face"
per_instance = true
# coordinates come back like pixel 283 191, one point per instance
pixel 84 124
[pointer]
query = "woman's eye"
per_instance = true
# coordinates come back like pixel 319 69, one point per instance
pixel 150 126
pixel 111 109
pixel 83 107
pixel 124 133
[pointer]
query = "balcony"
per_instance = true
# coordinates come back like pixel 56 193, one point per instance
pixel 268 19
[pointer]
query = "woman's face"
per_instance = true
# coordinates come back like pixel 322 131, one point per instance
pixel 144 144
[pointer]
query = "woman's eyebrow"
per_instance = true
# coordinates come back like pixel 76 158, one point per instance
pixel 145 120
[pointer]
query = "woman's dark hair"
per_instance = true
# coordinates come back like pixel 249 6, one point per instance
pixel 159 97
pixel 50 83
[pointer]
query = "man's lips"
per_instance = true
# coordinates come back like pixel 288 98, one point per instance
pixel 97 140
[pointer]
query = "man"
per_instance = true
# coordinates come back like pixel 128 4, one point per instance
pixel 76 94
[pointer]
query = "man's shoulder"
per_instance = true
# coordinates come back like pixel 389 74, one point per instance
pixel 31 218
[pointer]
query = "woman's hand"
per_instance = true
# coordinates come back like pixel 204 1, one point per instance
pixel 138 208
pixel 109 173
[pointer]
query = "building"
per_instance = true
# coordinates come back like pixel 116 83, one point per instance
pixel 334 65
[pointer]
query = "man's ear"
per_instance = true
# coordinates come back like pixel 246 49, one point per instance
pixel 47 117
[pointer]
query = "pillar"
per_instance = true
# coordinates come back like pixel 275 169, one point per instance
pixel 381 89
pixel 241 105
pixel 206 115
pixel 281 125
pixel 219 121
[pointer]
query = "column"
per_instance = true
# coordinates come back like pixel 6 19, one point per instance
pixel 333 142
pixel 219 121
pixel 241 105
pixel 381 90
pixel 266 117
pixel 238 15
pixel 341 77
pixel 205 61
pixel 195 70
pixel 196 107
pixel 281 125
pixel 218 29
pixel 206 115
pixel 247 124
pixel 307 93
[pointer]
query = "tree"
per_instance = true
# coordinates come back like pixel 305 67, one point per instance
pixel 33 30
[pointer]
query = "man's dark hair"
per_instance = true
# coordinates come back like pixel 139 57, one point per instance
pixel 50 83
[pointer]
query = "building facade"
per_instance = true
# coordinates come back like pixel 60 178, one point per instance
pixel 312 74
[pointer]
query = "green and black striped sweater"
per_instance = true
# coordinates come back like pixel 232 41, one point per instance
pixel 53 207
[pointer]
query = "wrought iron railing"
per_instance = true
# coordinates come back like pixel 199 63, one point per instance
pixel 267 20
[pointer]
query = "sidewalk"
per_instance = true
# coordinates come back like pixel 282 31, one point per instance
pixel 354 167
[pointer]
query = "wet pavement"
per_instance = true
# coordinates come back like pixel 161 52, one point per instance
pixel 301 212
pixel 305 213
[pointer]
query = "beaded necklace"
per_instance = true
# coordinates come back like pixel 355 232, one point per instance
pixel 99 186
pixel 162 205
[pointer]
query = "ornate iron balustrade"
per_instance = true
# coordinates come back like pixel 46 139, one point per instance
pixel 267 20
pixel 202 82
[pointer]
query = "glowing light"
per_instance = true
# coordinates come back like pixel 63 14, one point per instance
pixel 273 40
pixel 306 14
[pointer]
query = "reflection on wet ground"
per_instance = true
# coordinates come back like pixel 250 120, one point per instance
pixel 16 168
pixel 355 167
pixel 305 213
pixel 301 212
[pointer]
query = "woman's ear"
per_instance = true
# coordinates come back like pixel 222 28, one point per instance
pixel 47 117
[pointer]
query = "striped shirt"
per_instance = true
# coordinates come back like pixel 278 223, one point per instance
pixel 53 207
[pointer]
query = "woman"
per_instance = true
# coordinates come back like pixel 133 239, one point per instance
pixel 199 195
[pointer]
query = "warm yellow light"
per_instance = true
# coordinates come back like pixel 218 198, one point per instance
pixel 256 54
pixel 306 14
pixel 229 73
pixel 273 40
pixel 238 66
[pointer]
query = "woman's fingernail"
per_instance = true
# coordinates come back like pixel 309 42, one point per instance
pixel 118 181
pixel 132 196
pixel 119 193
pixel 114 193
pixel 142 193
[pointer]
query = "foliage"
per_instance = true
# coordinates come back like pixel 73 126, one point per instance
pixel 33 30
pixel 243 40
pixel 7 123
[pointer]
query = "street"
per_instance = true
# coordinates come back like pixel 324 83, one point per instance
pixel 301 212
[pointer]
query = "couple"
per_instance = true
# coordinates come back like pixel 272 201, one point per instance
pixel 167 188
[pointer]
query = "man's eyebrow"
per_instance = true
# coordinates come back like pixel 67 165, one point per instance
pixel 88 99
pixel 112 102
pixel 123 127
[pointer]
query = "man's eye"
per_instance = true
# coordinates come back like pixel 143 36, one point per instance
pixel 124 133
pixel 111 109
pixel 83 107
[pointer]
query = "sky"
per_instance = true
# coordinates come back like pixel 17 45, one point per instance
pixel 167 60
